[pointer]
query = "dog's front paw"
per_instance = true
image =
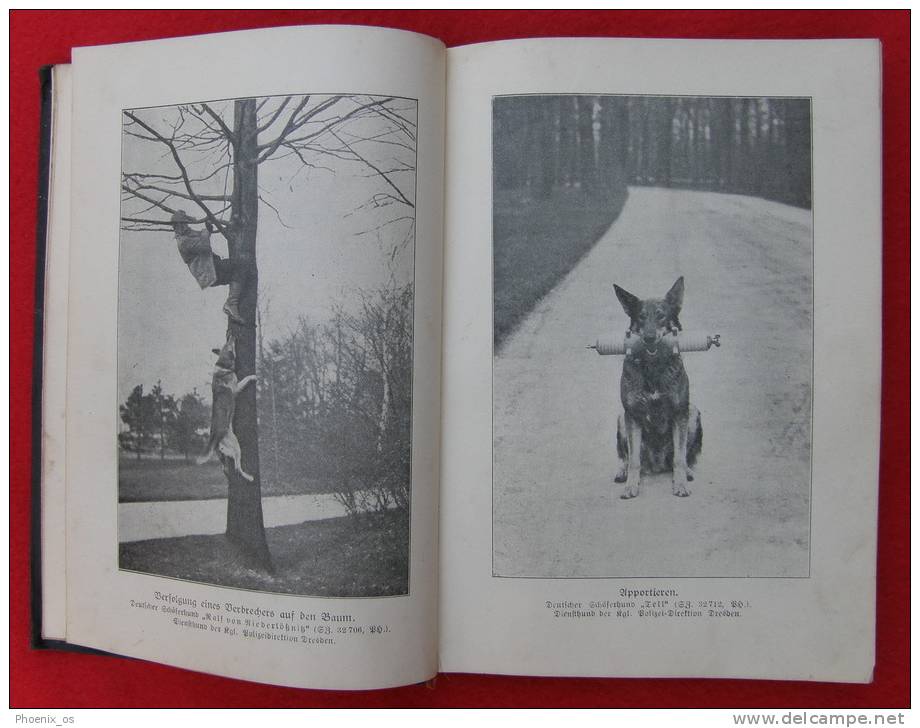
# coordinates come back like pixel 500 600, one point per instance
pixel 620 477
pixel 631 490
pixel 679 488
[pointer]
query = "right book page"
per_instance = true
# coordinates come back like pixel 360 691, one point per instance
pixel 613 206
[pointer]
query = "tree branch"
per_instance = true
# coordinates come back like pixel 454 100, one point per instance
pixel 288 128
pixel 331 124
pixel 178 178
pixel 220 122
pixel 175 193
pixel 167 225
pixel 277 213
pixel 275 115
pixel 156 203
pixel 383 175
pixel 182 170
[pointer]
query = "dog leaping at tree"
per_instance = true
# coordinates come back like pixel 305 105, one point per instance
pixel 224 389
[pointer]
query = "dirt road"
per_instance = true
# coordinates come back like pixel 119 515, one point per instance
pixel 747 265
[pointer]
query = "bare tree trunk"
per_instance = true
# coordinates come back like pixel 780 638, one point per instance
pixel 567 140
pixel 547 153
pixel 700 173
pixel 798 145
pixel 729 121
pixel 383 423
pixel 245 525
pixel 665 141
pixel 622 124
pixel 584 110
pixel 384 419
pixel 647 132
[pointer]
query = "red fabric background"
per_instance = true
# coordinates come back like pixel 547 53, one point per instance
pixel 56 679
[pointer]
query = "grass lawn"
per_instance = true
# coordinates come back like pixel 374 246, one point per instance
pixel 161 480
pixel 361 556
pixel 536 242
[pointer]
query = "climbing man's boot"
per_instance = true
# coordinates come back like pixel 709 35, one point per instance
pixel 231 307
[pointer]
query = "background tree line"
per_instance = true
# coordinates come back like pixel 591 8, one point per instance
pixel 752 146
pixel 335 402
pixel 157 422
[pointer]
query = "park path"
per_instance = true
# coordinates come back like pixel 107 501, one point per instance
pixel 747 265
pixel 169 519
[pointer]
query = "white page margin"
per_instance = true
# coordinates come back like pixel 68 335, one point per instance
pixel 816 628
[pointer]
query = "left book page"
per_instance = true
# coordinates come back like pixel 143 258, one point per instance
pixel 52 596
pixel 253 358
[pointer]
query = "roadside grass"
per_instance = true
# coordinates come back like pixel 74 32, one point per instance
pixel 536 242
pixel 352 556
pixel 151 479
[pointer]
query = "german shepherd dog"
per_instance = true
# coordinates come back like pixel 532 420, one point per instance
pixel 659 429
pixel 224 389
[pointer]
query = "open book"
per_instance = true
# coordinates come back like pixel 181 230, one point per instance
pixel 365 358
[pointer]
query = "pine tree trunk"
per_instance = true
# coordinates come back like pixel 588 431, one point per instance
pixel 245 525
pixel 586 156
pixel 547 154
pixel 665 142
pixel 383 422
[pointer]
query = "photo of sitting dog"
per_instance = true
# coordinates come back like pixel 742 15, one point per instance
pixel 589 404
pixel 224 389
pixel 659 429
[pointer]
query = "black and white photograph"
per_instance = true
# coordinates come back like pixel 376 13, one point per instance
pixel 653 315
pixel 265 342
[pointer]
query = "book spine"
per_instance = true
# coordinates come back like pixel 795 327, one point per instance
pixel 46 76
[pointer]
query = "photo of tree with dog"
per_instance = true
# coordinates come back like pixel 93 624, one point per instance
pixel 265 342
pixel 652 336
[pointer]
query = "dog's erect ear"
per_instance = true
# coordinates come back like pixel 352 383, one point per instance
pixel 631 304
pixel 675 297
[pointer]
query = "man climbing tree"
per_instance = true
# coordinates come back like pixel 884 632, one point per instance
pixel 208 268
